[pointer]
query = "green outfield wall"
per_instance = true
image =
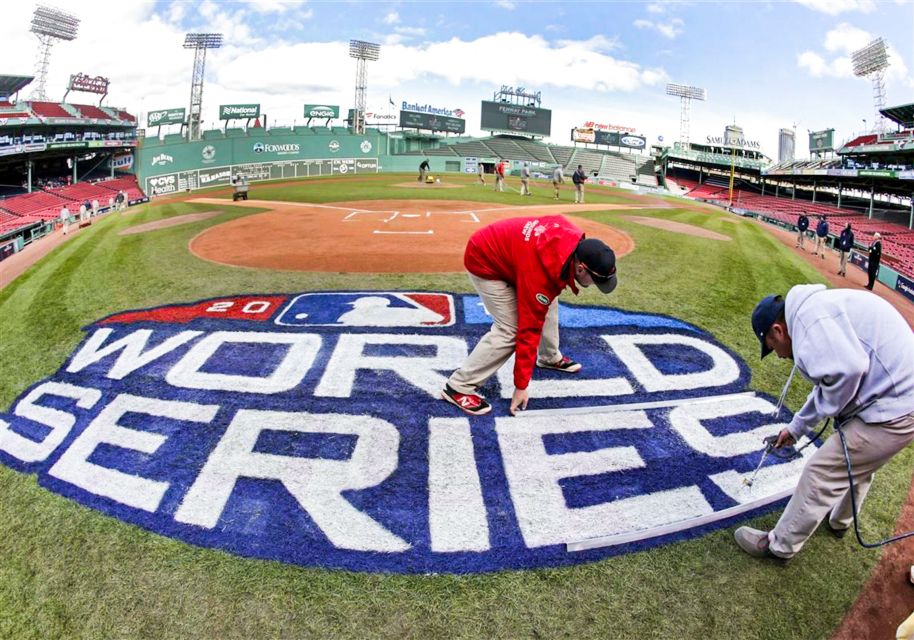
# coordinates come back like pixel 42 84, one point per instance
pixel 173 164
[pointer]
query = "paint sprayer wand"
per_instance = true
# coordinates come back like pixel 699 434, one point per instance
pixel 771 440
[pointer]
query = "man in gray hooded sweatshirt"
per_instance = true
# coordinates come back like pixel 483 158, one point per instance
pixel 858 351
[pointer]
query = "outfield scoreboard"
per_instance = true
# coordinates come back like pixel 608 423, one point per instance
pixel 516 118
pixel 431 122
pixel 821 141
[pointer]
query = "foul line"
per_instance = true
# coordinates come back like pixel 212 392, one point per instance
pixel 637 536
pixel 636 406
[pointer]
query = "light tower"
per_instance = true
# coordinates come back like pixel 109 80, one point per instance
pixel 686 95
pixel 199 42
pixel 871 62
pixel 361 51
pixel 49 25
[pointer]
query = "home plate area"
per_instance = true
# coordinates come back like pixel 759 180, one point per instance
pixel 308 428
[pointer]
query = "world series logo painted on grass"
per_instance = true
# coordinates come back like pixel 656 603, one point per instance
pixel 308 429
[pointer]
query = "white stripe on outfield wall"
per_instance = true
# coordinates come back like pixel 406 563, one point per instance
pixel 637 536
pixel 636 406
pixel 420 233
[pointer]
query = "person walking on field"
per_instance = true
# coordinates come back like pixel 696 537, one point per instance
pixel 558 177
pixel 579 178
pixel 845 244
pixel 481 172
pixel 525 180
pixel 821 236
pixel 858 351
pixel 65 219
pixel 500 176
pixel 423 170
pixel 802 226
pixel 519 266
pixel 872 269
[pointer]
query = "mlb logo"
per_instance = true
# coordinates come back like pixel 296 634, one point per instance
pixel 369 309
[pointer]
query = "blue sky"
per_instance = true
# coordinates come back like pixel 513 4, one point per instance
pixel 765 65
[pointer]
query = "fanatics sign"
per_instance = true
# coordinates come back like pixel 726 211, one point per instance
pixel 307 428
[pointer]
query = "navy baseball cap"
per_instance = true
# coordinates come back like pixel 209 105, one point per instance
pixel 600 262
pixel 766 314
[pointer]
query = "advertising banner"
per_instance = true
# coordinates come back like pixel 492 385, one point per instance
pixel 322 111
pixel 6 250
pixel 905 287
pixel 164 117
pixel 238 111
pixel 585 135
pixel 821 140
pixel 82 82
pixel 875 173
pixel 502 116
pixel 616 139
pixel 431 122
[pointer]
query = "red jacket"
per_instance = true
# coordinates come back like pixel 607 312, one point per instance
pixel 500 169
pixel 535 249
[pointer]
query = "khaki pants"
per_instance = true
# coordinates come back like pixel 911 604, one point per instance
pixel 499 183
pixel 555 189
pixel 842 270
pixel 579 193
pixel 494 348
pixel 822 491
pixel 801 237
pixel 820 246
pixel 525 186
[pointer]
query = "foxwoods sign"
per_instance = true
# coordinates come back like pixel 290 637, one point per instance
pixel 308 429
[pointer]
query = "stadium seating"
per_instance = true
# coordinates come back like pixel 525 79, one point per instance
pixel 474 150
pixel 440 151
pixel 90 111
pixel 213 134
pixel 536 150
pixel 509 149
pixel 589 160
pixel 562 155
pixel 50 110
pixel 127 184
pixel 39 204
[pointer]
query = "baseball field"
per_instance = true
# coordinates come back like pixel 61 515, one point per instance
pixel 79 559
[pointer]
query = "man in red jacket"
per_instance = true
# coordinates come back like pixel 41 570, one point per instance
pixel 519 266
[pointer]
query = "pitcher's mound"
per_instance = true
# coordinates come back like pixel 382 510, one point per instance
pixel 434 185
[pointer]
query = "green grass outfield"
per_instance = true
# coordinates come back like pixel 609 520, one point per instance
pixel 68 571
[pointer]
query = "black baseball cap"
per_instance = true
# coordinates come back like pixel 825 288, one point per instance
pixel 766 314
pixel 600 262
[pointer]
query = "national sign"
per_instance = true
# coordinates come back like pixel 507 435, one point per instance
pixel 307 428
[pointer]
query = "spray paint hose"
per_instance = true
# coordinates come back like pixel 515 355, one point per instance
pixel 791 453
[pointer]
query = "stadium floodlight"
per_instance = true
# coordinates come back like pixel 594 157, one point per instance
pixel 361 51
pixel 871 62
pixel 685 93
pixel 49 25
pixel 199 42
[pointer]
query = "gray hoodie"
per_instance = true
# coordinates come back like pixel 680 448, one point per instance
pixel 856 349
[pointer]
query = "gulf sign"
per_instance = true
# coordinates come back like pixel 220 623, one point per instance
pixel 307 428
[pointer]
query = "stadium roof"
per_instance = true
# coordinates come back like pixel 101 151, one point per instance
pixel 903 115
pixel 11 84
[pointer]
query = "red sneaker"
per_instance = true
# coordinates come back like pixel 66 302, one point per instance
pixel 471 403
pixel 566 364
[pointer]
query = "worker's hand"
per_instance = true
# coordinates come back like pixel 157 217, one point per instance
pixel 784 439
pixel 518 401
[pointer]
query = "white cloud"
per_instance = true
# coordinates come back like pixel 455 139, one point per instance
pixel 834 7
pixel 669 29
pixel 176 11
pixel 655 7
pixel 505 4
pixel 410 31
pixel 391 18
pixel 844 40
pixel 274 6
